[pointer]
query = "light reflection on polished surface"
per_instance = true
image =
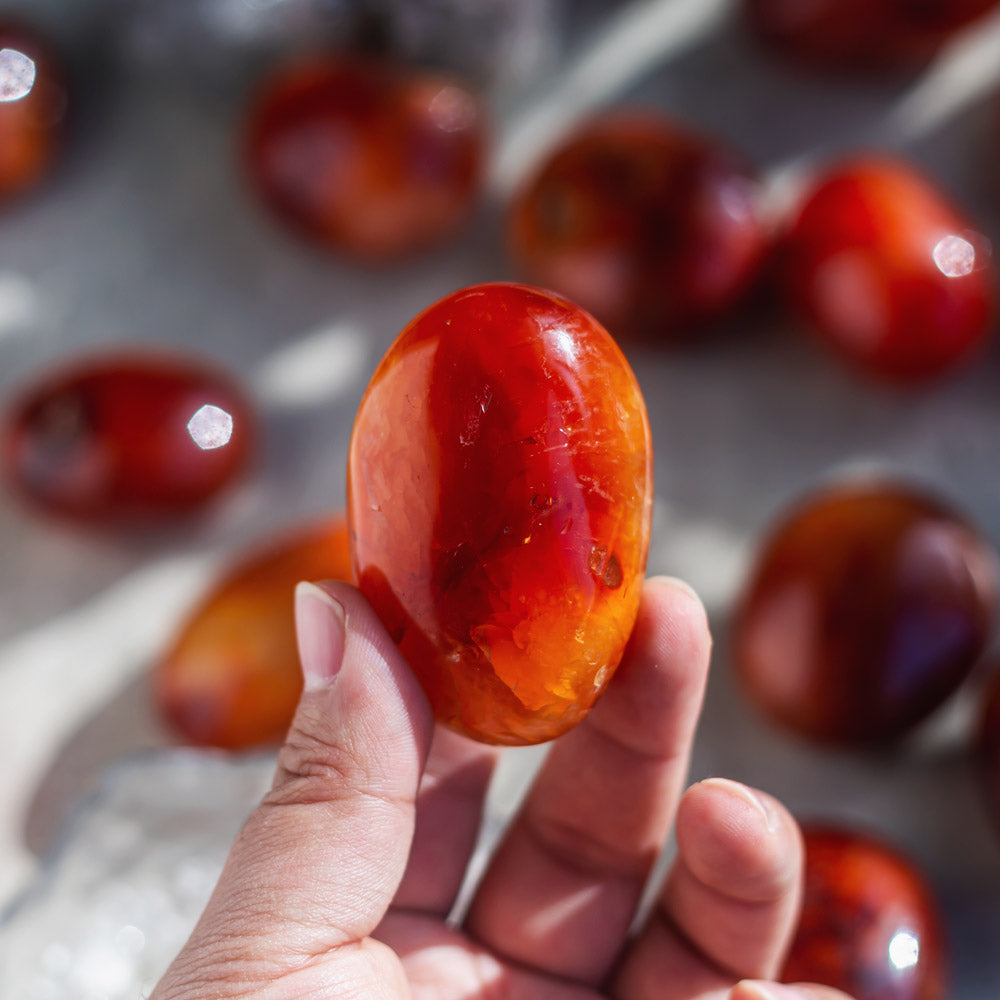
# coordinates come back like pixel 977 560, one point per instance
pixel 453 109
pixel 210 427
pixel 904 950
pixel 17 75
pixel 955 257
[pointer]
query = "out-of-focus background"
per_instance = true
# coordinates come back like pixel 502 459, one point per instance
pixel 147 234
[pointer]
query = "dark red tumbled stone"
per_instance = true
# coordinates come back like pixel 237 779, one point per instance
pixel 365 157
pixel 652 228
pixel 870 924
pixel 888 273
pixel 860 35
pixel 126 436
pixel 869 604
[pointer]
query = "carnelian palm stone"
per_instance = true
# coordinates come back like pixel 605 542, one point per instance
pixel 499 497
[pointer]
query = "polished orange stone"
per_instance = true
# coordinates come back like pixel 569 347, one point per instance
pixel 366 157
pixel 126 436
pixel 499 497
pixel 870 924
pixel 860 35
pixel 653 228
pixel 33 106
pixel 888 273
pixel 869 605
pixel 231 676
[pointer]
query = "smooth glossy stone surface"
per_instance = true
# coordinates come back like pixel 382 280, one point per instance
pixel 126 436
pixel 365 157
pixel 868 606
pixel 499 497
pixel 860 35
pixel 870 925
pixel 33 104
pixel 888 273
pixel 652 228
pixel 231 677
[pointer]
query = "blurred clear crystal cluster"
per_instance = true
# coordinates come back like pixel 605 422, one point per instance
pixel 121 896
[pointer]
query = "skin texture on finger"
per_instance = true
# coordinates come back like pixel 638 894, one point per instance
pixel 729 905
pixel 317 864
pixel 561 891
pixel 449 812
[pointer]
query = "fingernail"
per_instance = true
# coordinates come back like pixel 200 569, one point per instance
pixel 753 989
pixel 748 795
pixel 320 630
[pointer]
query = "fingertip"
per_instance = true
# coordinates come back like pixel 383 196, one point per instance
pixel 680 602
pixel 671 631
pixel 654 699
pixel 739 840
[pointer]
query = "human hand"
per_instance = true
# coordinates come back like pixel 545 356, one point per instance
pixel 340 883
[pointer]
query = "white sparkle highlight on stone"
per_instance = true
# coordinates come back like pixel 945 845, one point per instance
pixel 904 950
pixel 955 257
pixel 211 427
pixel 452 109
pixel 17 75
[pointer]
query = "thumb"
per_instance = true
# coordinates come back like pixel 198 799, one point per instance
pixel 317 864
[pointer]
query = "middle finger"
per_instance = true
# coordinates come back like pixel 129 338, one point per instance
pixel 561 891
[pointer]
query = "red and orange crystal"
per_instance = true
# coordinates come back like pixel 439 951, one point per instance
pixel 231 677
pixel 499 499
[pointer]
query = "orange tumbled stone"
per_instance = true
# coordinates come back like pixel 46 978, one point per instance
pixel 499 499
pixel 33 104
pixel 231 677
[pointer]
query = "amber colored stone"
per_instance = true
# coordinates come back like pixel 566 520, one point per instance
pixel 366 157
pixel 868 606
pixel 231 677
pixel 126 436
pixel 653 229
pixel 870 924
pixel 499 497
pixel 888 273
pixel 33 104
pixel 860 35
